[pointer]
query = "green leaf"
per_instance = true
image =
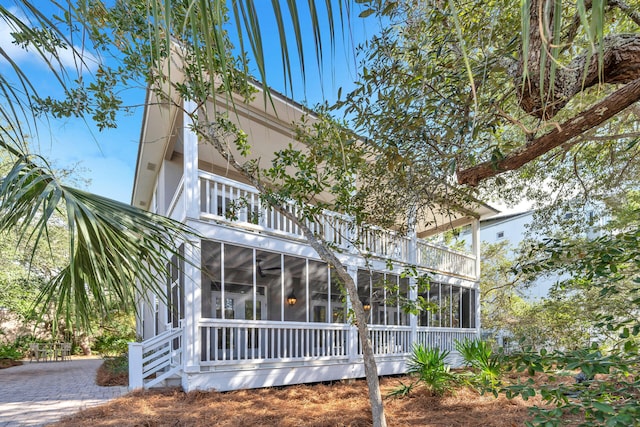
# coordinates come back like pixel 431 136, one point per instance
pixel 366 12
pixel 604 407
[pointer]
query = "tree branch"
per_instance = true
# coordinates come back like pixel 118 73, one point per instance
pixel 588 119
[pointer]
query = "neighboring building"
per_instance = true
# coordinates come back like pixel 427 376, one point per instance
pixel 512 228
pixel 265 310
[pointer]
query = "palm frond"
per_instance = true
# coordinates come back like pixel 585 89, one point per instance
pixel 117 252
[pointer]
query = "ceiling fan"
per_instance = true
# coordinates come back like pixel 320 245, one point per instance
pixel 261 270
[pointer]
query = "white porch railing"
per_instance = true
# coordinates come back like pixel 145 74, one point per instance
pixel 222 199
pixel 232 342
pixel 444 338
pixel 447 260
pixel 237 341
pixel 389 340
pixel 154 360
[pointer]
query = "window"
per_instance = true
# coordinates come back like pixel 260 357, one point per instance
pixel 500 235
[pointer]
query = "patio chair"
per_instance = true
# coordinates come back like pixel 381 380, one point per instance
pixel 33 351
pixel 63 351
pixel 38 351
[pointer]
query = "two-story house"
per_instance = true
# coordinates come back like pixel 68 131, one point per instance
pixel 264 309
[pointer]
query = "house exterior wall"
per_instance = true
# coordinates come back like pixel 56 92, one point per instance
pixel 231 325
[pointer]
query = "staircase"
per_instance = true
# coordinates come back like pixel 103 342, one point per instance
pixel 154 362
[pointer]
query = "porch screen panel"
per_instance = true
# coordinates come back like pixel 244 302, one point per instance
pixel 338 301
pixel 445 305
pixel 211 261
pixel 468 308
pixel 364 290
pixel 268 276
pixel 295 286
pixel 455 306
pixel 378 312
pixel 391 300
pixel 319 290
pixel 430 315
pixel 175 288
pixel 403 296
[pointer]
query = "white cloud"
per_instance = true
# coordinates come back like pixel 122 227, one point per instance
pixel 67 57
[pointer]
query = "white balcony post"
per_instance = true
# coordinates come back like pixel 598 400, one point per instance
pixel 191 181
pixel 352 347
pixel 135 366
pixel 413 260
pixel 193 307
pixel 475 246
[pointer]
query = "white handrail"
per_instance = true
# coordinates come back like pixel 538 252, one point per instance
pixel 176 197
pixel 153 360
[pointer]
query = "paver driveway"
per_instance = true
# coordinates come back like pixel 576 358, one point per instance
pixel 38 393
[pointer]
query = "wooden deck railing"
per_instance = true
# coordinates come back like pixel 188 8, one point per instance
pixel 222 199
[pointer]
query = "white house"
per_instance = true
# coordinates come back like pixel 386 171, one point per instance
pixel 265 310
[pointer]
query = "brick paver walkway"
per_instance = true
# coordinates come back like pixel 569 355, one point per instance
pixel 39 393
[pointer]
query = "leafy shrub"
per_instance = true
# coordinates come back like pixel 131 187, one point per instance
pixel 429 365
pixel 114 371
pixel 9 351
pixel 478 354
pixel 608 392
pixel 116 335
pixel 112 345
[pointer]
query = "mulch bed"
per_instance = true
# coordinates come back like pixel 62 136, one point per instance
pixel 8 363
pixel 319 405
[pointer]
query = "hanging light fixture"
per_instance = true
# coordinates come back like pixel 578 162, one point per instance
pixel 291 299
pixel 366 306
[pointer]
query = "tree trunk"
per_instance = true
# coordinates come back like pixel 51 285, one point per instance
pixel 370 366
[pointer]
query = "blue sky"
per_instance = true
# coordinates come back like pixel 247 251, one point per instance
pixel 107 158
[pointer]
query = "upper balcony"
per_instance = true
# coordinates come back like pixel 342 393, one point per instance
pixel 179 176
pixel 225 201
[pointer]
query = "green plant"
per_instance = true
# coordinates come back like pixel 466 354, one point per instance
pixel 478 355
pixel 112 345
pixel 8 351
pixel 429 365
pixel 402 390
pixel 117 365
pixel 116 335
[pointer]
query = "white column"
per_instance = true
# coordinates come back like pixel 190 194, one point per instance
pixel 191 182
pixel 475 245
pixel 193 306
pixel 412 260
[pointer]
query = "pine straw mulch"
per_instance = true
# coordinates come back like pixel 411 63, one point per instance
pixel 105 377
pixel 342 403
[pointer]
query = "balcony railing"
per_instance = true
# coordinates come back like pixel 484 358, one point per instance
pixel 222 199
